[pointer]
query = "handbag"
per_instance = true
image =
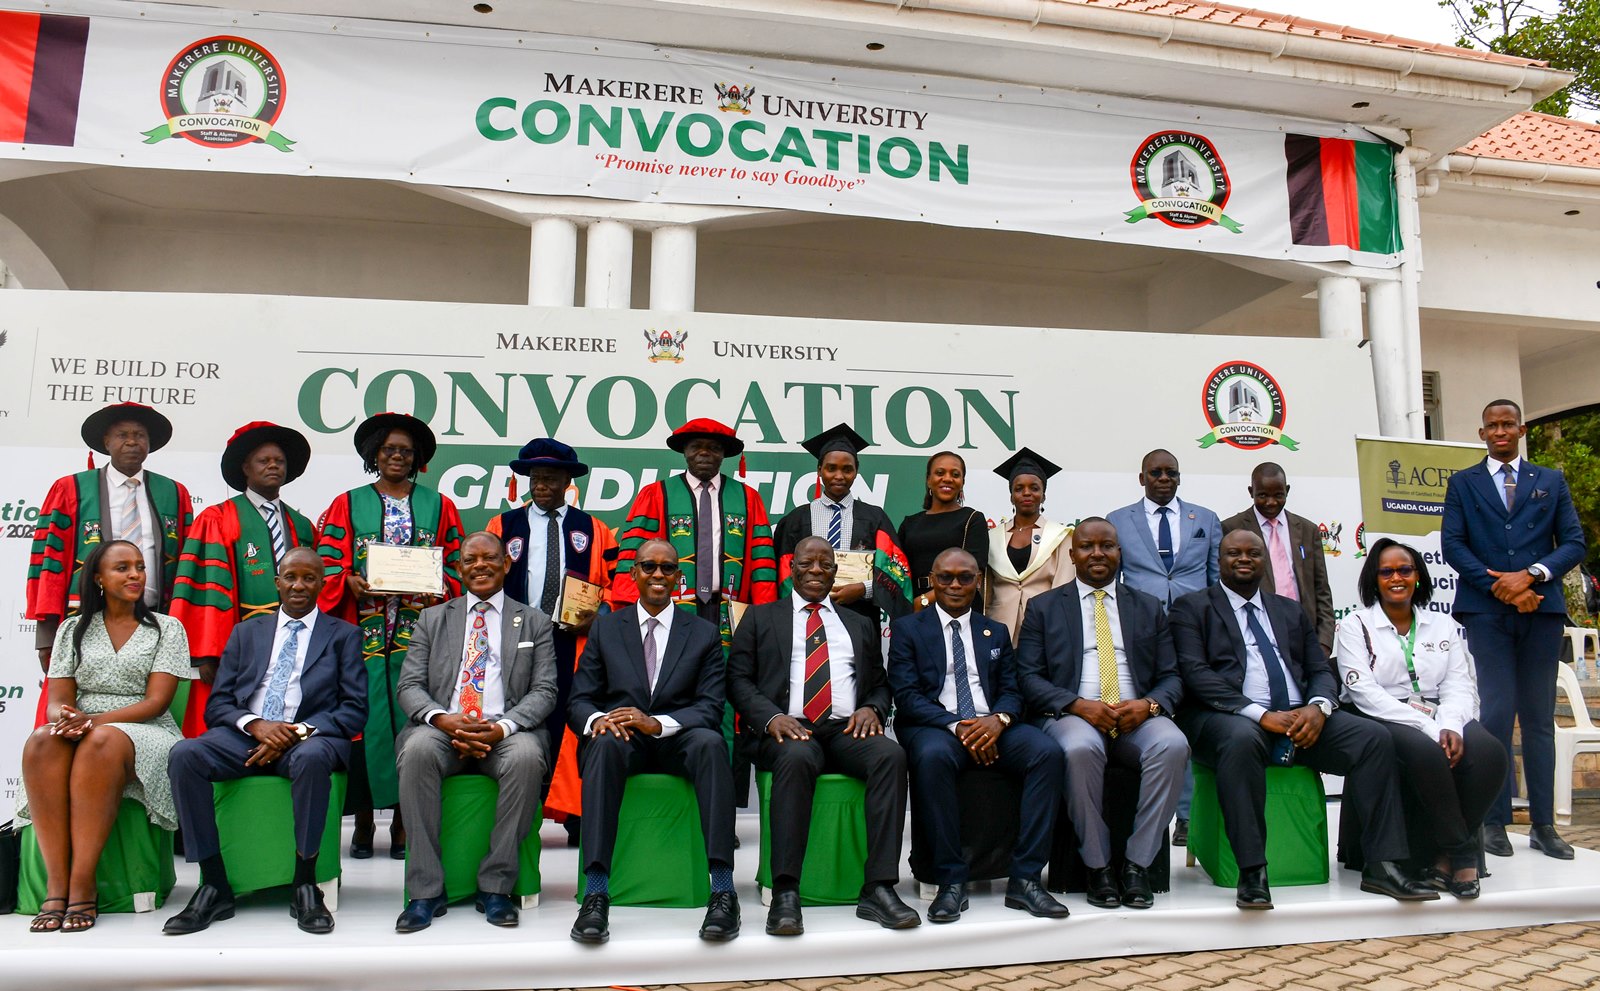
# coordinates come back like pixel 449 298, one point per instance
pixel 10 865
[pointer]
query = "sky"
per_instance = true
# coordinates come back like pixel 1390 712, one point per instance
pixel 1424 20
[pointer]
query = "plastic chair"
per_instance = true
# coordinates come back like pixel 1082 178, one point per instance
pixel 1582 738
pixel 467 816
pixel 255 824
pixel 1297 828
pixel 135 873
pixel 1578 637
pixel 660 854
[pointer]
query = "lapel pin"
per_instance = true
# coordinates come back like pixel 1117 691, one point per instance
pixel 516 620
pixel 986 633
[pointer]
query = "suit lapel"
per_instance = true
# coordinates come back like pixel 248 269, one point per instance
pixel 1076 634
pixel 783 630
pixel 999 560
pixel 450 655
pixel 1488 484
pixel 1280 636
pixel 1186 524
pixel 934 631
pixel 1527 481
pixel 633 645
pixel 511 619
pixel 1224 609
pixel 677 634
pixel 321 633
pixel 1141 526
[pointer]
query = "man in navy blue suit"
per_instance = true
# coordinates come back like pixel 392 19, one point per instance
pixel 957 707
pixel 1511 531
pixel 290 692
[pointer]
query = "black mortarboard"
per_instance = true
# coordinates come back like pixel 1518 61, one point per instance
pixel 837 438
pixel 1027 462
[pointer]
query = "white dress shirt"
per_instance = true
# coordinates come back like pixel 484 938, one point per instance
pixel 841 660
pixel 1256 686
pixel 715 485
pixel 291 694
pixel 947 694
pixel 662 634
pixel 1152 516
pixel 149 528
pixel 1539 571
pixel 822 516
pixel 494 689
pixel 538 531
pixel 1377 681
pixel 1089 673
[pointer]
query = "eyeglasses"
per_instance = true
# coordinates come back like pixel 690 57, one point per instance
pixel 1404 571
pixel 655 567
pixel 962 579
pixel 397 452
pixel 1162 473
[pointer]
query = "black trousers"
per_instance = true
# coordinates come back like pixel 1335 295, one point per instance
pixel 219 755
pixel 1237 748
pixel 1516 655
pixel 795 764
pixel 606 762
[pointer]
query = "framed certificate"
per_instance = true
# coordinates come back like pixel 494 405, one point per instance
pixel 579 600
pixel 399 570
pixel 854 566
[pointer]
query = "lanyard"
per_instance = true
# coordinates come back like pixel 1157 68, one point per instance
pixel 1408 643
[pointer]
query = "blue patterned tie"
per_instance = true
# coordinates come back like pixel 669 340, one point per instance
pixel 958 663
pixel 1164 537
pixel 282 668
pixel 836 527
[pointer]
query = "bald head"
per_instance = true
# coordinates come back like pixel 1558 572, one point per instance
pixel 1242 561
pixel 955 580
pixel 299 581
pixel 813 568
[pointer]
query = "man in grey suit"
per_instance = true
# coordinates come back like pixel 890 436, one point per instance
pixel 1296 568
pixel 478 682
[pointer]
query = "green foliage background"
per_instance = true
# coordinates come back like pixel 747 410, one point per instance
pixel 1564 33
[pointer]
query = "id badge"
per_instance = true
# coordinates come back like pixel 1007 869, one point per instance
pixel 1418 704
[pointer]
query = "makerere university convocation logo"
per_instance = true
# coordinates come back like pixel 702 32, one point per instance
pixel 1180 181
pixel 1244 407
pixel 222 92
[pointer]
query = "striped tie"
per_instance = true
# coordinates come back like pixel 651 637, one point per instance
pixel 836 527
pixel 269 510
pixel 1110 690
pixel 818 686
pixel 130 528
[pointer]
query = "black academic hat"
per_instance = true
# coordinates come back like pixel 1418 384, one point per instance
pixel 1027 462
pixel 836 438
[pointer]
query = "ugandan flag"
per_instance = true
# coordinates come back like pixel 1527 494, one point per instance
pixel 41 77
pixel 1341 192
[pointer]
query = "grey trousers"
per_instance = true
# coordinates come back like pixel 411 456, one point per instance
pixel 1158 749
pixel 425 759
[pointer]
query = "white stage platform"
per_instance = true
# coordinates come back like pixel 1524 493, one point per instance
pixel 261 948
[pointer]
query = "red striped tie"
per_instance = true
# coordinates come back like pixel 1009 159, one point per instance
pixel 818 688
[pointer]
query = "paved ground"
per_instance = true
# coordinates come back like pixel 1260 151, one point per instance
pixel 1544 958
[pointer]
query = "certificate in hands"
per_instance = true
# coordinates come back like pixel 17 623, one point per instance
pixel 579 600
pixel 394 569
pixel 854 566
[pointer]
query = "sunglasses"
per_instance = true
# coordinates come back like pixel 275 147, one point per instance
pixel 1162 473
pixel 397 452
pixel 962 579
pixel 655 567
pixel 1404 571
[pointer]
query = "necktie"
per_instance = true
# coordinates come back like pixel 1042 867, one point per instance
pixel 282 668
pixel 269 512
pixel 836 527
pixel 130 528
pixel 650 627
pixel 1282 567
pixel 1509 477
pixel 1278 684
pixel 1110 690
pixel 705 563
pixel 476 663
pixel 958 664
pixel 1164 536
pixel 552 564
pixel 818 687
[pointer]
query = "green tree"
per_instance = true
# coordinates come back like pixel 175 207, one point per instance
pixel 1565 33
pixel 1572 444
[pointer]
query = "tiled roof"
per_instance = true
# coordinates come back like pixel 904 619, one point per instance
pixel 1263 20
pixel 1533 137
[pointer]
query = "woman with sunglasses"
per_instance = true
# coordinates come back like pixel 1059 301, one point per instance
pixel 395 509
pixel 943 523
pixel 1407 667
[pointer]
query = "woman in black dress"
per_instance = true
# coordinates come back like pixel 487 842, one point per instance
pixel 943 523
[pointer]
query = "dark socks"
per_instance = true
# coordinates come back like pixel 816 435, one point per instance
pixel 214 873
pixel 596 882
pixel 721 877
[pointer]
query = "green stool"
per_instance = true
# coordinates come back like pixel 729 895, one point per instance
pixel 180 702
pixel 466 818
pixel 660 856
pixel 1297 828
pixel 255 824
pixel 836 848
pixel 135 873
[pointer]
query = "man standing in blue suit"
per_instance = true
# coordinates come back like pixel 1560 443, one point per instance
pixel 1511 531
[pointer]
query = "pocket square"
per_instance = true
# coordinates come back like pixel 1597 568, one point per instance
pixel 1200 532
pixel 525 643
pixel 1540 493
pixel 994 654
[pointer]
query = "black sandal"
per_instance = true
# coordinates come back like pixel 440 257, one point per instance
pixel 49 920
pixel 76 921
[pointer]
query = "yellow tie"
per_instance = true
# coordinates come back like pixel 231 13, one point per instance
pixel 1110 693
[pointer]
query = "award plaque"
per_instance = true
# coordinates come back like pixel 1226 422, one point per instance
pixel 854 566
pixel 399 570
pixel 579 600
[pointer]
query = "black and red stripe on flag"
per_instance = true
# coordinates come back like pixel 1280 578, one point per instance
pixel 1324 202
pixel 41 76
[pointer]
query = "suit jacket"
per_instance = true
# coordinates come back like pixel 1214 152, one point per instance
pixel 1477 534
pixel 917 668
pixel 1198 543
pixel 333 683
pixel 1211 651
pixel 689 681
pixel 1050 650
pixel 759 664
pixel 1310 568
pixel 432 667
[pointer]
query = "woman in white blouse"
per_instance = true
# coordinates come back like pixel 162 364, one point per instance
pixel 1408 668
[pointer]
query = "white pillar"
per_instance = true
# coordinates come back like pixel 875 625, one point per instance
pixel 1386 325
pixel 672 267
pixel 553 262
pixel 1410 277
pixel 608 275
pixel 1339 308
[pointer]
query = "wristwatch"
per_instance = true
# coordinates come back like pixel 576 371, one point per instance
pixel 303 730
pixel 1325 706
pixel 1005 719
pixel 1155 707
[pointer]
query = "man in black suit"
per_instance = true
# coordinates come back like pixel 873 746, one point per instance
pixel 1098 671
pixel 1261 692
pixel 648 697
pixel 957 707
pixel 807 681
pixel 290 692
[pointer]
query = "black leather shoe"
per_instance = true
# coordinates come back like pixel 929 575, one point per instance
pixel 499 910
pixel 208 905
pixel 948 903
pixel 783 918
pixel 1136 891
pixel 1029 896
pixel 722 917
pixel 1253 891
pixel 1466 890
pixel 307 908
pixel 1495 843
pixel 1433 877
pixel 1101 888
pixel 593 925
pixel 880 903
pixel 419 914
pixel 361 850
pixel 1385 877
pixel 1546 841
pixel 1180 833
